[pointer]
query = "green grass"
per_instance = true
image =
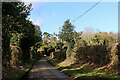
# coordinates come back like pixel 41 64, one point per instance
pixel 17 72
pixel 82 73
pixel 27 65
pixel 77 72
pixel 53 62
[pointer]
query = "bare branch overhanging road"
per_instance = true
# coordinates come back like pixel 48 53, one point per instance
pixel 42 70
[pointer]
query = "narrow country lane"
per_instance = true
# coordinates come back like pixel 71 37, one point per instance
pixel 42 70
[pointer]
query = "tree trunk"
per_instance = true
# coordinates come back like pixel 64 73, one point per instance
pixel 68 52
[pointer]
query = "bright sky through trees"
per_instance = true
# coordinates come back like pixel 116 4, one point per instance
pixel 51 15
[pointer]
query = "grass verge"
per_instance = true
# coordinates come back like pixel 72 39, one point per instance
pixel 83 74
pixel 53 62
pixel 17 73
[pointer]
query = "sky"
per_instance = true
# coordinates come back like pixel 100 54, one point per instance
pixel 52 15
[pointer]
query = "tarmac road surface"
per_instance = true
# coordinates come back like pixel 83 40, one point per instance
pixel 42 70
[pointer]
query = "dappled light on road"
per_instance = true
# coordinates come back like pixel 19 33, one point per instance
pixel 42 69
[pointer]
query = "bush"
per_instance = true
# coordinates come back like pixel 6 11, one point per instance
pixel 15 40
pixel 51 49
pixel 64 47
pixel 34 51
pixel 16 56
pixel 101 55
pixel 59 55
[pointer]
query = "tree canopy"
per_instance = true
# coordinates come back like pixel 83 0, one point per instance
pixel 67 34
pixel 17 29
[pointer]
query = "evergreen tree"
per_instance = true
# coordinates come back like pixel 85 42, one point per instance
pixel 67 35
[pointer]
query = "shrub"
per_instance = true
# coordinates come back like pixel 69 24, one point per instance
pixel 16 56
pixel 105 56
